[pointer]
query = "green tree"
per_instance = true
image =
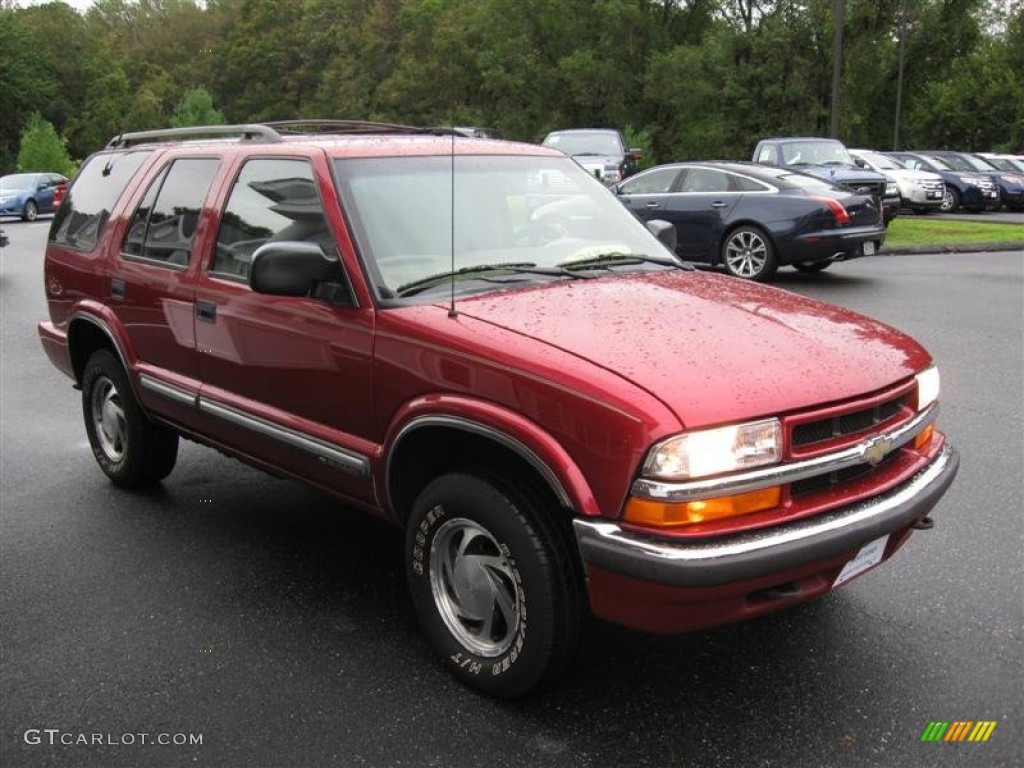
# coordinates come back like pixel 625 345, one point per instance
pixel 26 84
pixel 196 108
pixel 42 149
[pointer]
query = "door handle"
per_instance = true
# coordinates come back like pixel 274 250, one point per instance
pixel 718 204
pixel 653 205
pixel 206 310
pixel 117 289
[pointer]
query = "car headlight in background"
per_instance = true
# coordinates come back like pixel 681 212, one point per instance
pixel 891 188
pixel 709 452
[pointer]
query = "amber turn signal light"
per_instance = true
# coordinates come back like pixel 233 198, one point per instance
pixel 923 440
pixel 661 514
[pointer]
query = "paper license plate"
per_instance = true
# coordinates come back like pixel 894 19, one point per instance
pixel 869 249
pixel 869 556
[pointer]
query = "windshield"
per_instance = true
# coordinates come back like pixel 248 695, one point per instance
pixel 18 181
pixel 955 162
pixel 881 162
pixel 528 218
pixel 1008 164
pixel 978 164
pixel 815 153
pixel 941 162
pixel 585 143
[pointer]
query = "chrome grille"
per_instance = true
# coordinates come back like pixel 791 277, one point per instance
pixel 845 424
pixel 865 187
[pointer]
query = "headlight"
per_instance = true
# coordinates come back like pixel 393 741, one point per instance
pixel 927 387
pixel 612 176
pixel 713 451
pixel 891 188
pixel 975 180
pixel 1014 179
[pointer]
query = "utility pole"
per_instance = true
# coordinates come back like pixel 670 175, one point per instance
pixel 899 75
pixel 838 18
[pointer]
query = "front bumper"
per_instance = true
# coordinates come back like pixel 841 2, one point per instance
pixel 923 197
pixel 628 570
pixel 890 208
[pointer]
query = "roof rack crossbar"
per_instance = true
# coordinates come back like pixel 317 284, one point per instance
pixel 249 132
pixel 343 126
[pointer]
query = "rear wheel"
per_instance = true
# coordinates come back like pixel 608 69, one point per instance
pixel 748 253
pixel 130 449
pixel 483 565
pixel 30 211
pixel 950 200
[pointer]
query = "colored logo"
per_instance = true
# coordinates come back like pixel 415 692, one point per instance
pixel 958 730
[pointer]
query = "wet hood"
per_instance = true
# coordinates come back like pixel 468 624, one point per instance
pixel 714 349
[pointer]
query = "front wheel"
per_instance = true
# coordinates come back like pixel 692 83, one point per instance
pixel 30 211
pixel 492 584
pixel 950 200
pixel 748 253
pixel 130 449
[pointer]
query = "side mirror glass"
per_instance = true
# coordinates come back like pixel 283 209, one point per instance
pixel 290 268
pixel 665 231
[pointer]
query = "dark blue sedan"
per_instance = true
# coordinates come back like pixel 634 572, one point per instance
pixel 752 219
pixel 29 194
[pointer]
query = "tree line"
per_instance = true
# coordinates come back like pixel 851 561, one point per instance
pixel 685 79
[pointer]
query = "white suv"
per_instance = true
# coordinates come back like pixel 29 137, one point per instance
pixel 921 191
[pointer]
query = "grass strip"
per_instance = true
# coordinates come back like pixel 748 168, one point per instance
pixel 932 230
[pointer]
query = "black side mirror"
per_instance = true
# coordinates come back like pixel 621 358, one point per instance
pixel 665 231
pixel 290 268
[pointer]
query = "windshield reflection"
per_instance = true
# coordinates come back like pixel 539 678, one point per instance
pixel 540 211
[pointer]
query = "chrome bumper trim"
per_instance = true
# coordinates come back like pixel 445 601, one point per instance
pixel 725 559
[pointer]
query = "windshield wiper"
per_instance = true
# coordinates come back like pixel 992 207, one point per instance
pixel 616 259
pixel 476 271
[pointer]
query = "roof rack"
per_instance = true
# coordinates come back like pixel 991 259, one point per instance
pixel 250 132
pixel 317 125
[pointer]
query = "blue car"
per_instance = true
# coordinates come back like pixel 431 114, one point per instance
pixel 752 219
pixel 29 194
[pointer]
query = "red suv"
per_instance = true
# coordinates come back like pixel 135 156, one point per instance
pixel 474 340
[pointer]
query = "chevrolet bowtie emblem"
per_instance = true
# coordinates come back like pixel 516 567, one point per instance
pixel 875 449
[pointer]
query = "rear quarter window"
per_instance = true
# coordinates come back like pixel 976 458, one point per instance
pixel 86 209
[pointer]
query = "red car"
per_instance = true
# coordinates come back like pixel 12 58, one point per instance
pixel 474 340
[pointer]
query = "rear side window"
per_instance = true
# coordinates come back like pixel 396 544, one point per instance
pixel 99 184
pixel 165 222
pixel 653 182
